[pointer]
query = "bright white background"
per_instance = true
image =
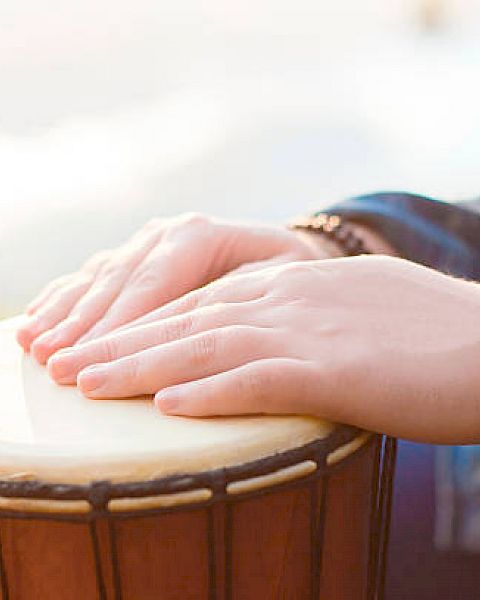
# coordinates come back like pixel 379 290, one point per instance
pixel 112 111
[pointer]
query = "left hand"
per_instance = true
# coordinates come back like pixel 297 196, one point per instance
pixel 378 342
pixel 164 260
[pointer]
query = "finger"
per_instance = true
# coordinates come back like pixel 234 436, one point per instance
pixel 224 290
pixel 92 306
pixel 69 324
pixel 56 308
pixel 191 358
pixel 46 293
pixel 65 365
pixel 166 273
pixel 59 297
pixel 270 386
pixel 91 268
pixel 261 264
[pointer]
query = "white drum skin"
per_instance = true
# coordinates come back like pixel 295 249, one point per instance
pixel 53 433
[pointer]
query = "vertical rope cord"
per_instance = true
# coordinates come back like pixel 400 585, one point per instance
pixel 314 550
pixel 212 567
pixel 388 476
pixel 3 575
pixel 102 592
pixel 99 493
pixel 228 550
pixel 375 521
pixel 318 541
pixel 317 524
pixel 112 533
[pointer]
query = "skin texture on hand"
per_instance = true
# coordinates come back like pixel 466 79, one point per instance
pixel 374 341
pixel 164 260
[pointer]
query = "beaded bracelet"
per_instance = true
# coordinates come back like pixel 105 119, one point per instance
pixel 333 228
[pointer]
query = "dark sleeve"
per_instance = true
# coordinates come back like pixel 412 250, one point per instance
pixel 471 205
pixel 431 232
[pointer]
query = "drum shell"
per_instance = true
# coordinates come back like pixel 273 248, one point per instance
pixel 311 538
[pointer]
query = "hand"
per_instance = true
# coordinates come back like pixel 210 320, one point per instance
pixel 164 260
pixel 374 341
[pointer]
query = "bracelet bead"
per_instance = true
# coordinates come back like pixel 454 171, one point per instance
pixel 334 228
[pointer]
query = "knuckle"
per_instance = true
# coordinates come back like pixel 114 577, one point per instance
pixel 274 301
pixel 73 321
pixel 131 369
pixel 207 297
pixel 48 314
pixel 213 293
pixel 236 333
pixel 109 349
pixel 278 300
pixel 188 221
pixel 203 348
pixel 82 280
pixel 191 301
pixel 95 261
pixel 62 280
pixel 153 224
pixel 74 288
pixel 175 328
pixel 253 386
pixel 299 269
pixel 109 270
pixel 57 285
pixel 72 326
pixel 193 218
pixel 146 279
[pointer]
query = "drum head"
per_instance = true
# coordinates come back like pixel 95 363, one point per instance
pixel 53 433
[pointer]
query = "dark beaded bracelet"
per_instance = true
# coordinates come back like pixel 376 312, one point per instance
pixel 334 228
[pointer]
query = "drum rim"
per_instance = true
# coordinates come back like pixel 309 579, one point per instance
pixel 99 492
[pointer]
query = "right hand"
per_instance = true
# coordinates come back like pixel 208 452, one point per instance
pixel 373 341
pixel 164 260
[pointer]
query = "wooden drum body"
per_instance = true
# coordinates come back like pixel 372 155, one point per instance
pixel 293 509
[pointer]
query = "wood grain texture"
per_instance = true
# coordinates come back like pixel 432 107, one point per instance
pixel 165 556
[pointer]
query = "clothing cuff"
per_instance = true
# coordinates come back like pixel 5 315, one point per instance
pixel 430 232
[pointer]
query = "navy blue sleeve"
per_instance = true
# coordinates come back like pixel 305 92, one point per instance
pixel 430 232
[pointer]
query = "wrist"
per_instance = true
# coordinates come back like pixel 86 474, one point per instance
pixel 319 245
pixel 329 237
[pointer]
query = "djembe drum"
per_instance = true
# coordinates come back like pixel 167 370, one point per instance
pixel 112 500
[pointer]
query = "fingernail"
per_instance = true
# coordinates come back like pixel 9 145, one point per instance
pixel 34 325
pixel 168 400
pixel 39 349
pixel 92 378
pixel 60 365
pixel 43 346
pixel 30 309
pixel 26 333
pixel 24 338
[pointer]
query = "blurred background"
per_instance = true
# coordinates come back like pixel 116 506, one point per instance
pixel 112 112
